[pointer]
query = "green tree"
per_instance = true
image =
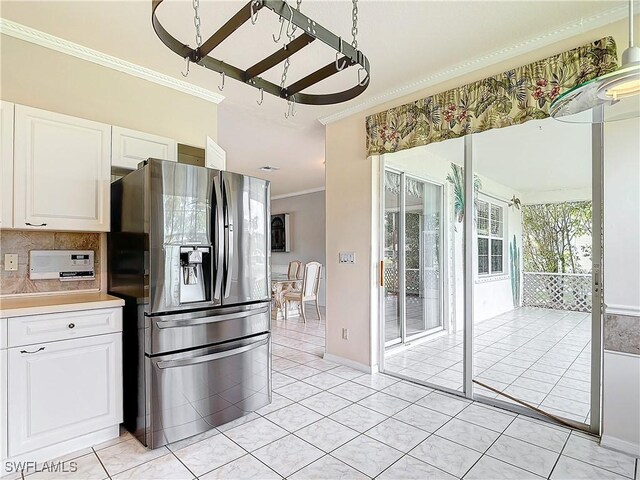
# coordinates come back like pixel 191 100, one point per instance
pixel 550 233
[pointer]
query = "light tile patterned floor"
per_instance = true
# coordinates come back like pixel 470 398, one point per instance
pixel 537 355
pixel 328 422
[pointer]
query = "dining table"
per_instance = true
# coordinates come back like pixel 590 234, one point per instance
pixel 280 284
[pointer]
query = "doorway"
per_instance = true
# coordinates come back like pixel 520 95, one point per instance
pixel 412 249
pixel 513 330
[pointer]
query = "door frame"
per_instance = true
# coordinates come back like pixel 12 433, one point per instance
pixel 597 278
pixel 404 338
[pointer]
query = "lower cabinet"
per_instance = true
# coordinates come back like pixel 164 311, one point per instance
pixel 60 391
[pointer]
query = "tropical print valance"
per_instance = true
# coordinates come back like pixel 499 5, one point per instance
pixel 510 98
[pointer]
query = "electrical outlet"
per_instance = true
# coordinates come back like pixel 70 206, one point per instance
pixel 345 334
pixel 10 262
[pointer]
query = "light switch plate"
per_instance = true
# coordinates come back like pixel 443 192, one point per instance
pixel 10 262
pixel 347 257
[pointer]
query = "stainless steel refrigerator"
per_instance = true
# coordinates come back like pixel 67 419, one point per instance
pixel 189 252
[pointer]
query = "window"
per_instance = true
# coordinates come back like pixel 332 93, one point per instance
pixel 490 226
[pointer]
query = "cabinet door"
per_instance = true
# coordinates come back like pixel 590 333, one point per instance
pixel 61 390
pixel 214 156
pixel 6 164
pixel 61 172
pixel 131 147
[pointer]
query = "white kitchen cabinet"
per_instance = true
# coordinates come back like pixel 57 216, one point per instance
pixel 58 391
pixel 62 172
pixel 6 164
pixel 131 147
pixel 214 156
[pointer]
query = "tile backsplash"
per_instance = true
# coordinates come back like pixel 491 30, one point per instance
pixel 21 242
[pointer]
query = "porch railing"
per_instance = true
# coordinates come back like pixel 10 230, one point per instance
pixel 412 279
pixel 559 291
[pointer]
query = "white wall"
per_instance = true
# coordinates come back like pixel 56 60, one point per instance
pixel 621 379
pixel 42 78
pixel 622 215
pixel 307 230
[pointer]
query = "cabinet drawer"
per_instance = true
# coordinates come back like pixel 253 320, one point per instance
pixel 62 326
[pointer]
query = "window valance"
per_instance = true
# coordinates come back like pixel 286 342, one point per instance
pixel 510 98
pixel 413 187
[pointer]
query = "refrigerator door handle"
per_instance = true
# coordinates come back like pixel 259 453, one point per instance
pixel 229 235
pixel 211 319
pixel 214 356
pixel 219 240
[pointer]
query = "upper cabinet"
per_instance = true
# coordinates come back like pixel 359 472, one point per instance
pixel 6 164
pixel 131 147
pixel 62 171
pixel 214 156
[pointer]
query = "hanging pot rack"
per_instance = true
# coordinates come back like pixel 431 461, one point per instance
pixel 346 54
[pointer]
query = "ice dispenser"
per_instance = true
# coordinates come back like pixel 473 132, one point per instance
pixel 195 281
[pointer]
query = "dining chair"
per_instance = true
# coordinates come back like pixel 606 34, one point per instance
pixel 294 269
pixel 308 292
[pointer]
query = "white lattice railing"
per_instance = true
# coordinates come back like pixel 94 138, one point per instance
pixel 559 291
pixel 412 279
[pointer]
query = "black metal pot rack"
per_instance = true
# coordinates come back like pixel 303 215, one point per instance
pixel 310 32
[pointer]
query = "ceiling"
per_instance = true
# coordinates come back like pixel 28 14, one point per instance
pixel 405 41
pixel 538 159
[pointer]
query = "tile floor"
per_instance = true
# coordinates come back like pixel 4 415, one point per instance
pixel 537 355
pixel 328 421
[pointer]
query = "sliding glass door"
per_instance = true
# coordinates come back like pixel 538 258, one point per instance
pixel 492 268
pixel 412 257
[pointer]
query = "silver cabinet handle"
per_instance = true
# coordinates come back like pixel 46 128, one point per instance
pixel 209 358
pixel 211 319
pixel 27 351
pixel 35 225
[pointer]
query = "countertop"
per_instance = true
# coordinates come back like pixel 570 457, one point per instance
pixel 40 304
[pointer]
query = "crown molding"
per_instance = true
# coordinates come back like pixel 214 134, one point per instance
pixel 31 35
pixel 540 41
pixel 295 194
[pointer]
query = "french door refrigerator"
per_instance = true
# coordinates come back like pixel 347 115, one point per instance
pixel 189 253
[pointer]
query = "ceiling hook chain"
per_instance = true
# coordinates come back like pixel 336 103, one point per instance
pixel 196 21
pixel 221 87
pixel 186 74
pixel 354 25
pixel 261 97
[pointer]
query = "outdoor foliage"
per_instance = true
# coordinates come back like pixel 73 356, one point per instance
pixel 551 234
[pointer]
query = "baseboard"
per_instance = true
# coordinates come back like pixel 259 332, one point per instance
pixel 64 448
pixel 623 446
pixel 350 363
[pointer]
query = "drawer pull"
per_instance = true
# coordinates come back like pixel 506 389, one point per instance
pixel 38 350
pixel 71 325
pixel 35 225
